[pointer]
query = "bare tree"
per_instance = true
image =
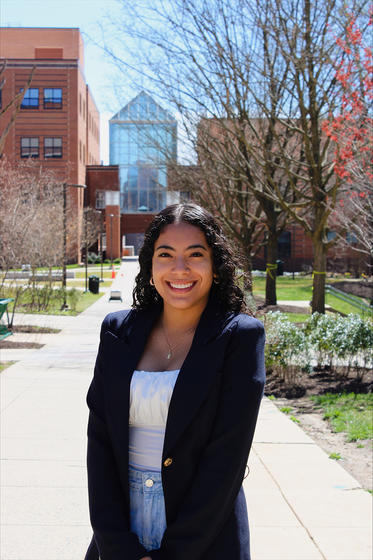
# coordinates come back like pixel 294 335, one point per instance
pixel 90 227
pixel 30 223
pixel 263 71
pixel 204 69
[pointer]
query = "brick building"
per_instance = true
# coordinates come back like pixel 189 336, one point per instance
pixel 58 123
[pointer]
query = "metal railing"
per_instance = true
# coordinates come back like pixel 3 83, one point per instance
pixel 355 301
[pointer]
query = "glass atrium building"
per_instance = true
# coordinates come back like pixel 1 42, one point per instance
pixel 142 141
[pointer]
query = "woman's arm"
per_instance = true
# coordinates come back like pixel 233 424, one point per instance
pixel 107 502
pixel 220 472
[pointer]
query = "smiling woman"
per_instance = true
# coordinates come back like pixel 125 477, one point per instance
pixel 184 371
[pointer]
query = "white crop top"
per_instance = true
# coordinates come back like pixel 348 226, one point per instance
pixel 150 396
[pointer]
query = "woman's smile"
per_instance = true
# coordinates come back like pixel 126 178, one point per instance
pixel 182 287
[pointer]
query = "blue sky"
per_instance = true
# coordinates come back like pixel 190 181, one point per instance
pixel 87 15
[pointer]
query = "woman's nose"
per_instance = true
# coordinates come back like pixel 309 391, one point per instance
pixel 180 264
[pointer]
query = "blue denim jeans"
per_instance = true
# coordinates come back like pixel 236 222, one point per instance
pixel 147 509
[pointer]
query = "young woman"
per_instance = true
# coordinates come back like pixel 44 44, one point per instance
pixel 174 402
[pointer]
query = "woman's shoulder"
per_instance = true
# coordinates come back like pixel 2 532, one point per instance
pixel 243 322
pixel 116 320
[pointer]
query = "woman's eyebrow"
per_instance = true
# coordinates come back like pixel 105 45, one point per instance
pixel 169 248
pixel 197 247
pixel 164 247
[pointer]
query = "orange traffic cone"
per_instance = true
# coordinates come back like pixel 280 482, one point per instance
pixel 113 272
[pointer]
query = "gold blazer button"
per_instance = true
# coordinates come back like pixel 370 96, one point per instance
pixel 167 462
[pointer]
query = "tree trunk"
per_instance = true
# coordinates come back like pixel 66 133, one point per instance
pixel 248 269
pixel 319 273
pixel 271 267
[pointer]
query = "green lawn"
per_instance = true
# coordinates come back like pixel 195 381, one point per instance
pixel 298 317
pixel 4 365
pixel 351 413
pixel 81 283
pixel 287 289
pixel 300 288
pixel 85 299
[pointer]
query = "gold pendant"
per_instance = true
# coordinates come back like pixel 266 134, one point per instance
pixel 169 355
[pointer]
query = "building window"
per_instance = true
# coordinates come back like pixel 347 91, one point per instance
pixel 330 235
pixel 52 147
pixel 31 99
pixel 53 98
pixel 100 200
pixel 351 238
pixel 284 245
pixel 30 147
pixel 185 196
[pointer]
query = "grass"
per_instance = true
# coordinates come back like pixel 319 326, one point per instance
pixel 344 307
pixel 287 289
pixel 81 284
pixel 351 413
pixel 4 365
pixel 85 300
pixel 300 289
pixel 298 317
pixel 335 456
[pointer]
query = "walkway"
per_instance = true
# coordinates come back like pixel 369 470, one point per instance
pixel 302 505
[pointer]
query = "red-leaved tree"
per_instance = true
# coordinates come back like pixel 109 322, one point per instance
pixel 351 130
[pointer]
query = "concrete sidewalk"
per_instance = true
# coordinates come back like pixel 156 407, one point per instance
pixel 302 505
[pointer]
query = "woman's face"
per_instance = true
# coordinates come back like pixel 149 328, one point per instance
pixel 182 266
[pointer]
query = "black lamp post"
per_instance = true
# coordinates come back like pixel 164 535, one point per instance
pixel 86 249
pixel 111 239
pixel 101 247
pixel 64 228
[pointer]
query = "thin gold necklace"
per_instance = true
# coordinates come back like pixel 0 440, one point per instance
pixel 170 348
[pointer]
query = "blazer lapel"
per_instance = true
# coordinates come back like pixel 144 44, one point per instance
pixel 122 353
pixel 197 374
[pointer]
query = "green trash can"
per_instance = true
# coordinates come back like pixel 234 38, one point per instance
pixel 280 268
pixel 94 284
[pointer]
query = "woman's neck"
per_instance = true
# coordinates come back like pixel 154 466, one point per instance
pixel 180 319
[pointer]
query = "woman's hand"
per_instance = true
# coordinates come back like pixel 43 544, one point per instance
pixel 146 558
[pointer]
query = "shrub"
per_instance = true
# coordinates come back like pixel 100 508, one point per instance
pixel 93 258
pixel 73 296
pixel 331 339
pixel 320 330
pixel 287 347
pixel 344 340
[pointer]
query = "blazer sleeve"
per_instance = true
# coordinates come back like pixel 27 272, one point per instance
pixel 221 469
pixel 107 502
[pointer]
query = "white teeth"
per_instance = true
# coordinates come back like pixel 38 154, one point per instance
pixel 181 286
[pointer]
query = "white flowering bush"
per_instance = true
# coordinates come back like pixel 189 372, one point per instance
pixel 287 348
pixel 333 341
pixel 321 330
pixel 354 345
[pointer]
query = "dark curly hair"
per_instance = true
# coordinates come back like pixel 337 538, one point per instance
pixel 227 292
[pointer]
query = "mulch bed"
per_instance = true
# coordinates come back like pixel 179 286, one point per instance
pixel 317 383
pixel 6 343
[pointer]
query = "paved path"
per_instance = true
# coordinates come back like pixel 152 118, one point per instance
pixel 302 505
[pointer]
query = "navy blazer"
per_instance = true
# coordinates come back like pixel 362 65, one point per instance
pixel 209 431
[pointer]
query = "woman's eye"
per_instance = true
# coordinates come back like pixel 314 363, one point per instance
pixel 197 254
pixel 164 254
